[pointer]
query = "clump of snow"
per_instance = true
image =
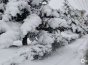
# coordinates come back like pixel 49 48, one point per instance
pixel 6 39
pixel 57 22
pixel 10 32
pixel 30 23
pixel 15 26
pixel 17 43
pixel 46 38
pixel 69 35
pixel 55 13
pixel 4 26
pixel 47 9
pixel 56 4
pixel 14 7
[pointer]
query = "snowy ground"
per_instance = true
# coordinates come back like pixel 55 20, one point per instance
pixel 6 54
pixel 68 55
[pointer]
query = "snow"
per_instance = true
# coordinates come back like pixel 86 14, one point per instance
pixel 3 26
pixel 47 9
pixel 6 39
pixel 10 34
pixel 67 55
pixel 56 4
pixel 46 38
pixel 31 22
pixel 6 54
pixel 57 22
pixel 17 43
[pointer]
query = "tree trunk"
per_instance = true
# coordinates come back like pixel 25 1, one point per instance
pixel 24 41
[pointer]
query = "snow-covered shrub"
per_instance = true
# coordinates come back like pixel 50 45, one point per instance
pixel 46 29
pixel 56 29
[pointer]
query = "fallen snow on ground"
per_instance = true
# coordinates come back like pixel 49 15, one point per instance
pixel 6 54
pixel 67 55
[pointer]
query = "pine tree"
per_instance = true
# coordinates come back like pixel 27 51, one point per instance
pixel 46 28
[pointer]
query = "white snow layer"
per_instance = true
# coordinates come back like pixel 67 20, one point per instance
pixel 57 22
